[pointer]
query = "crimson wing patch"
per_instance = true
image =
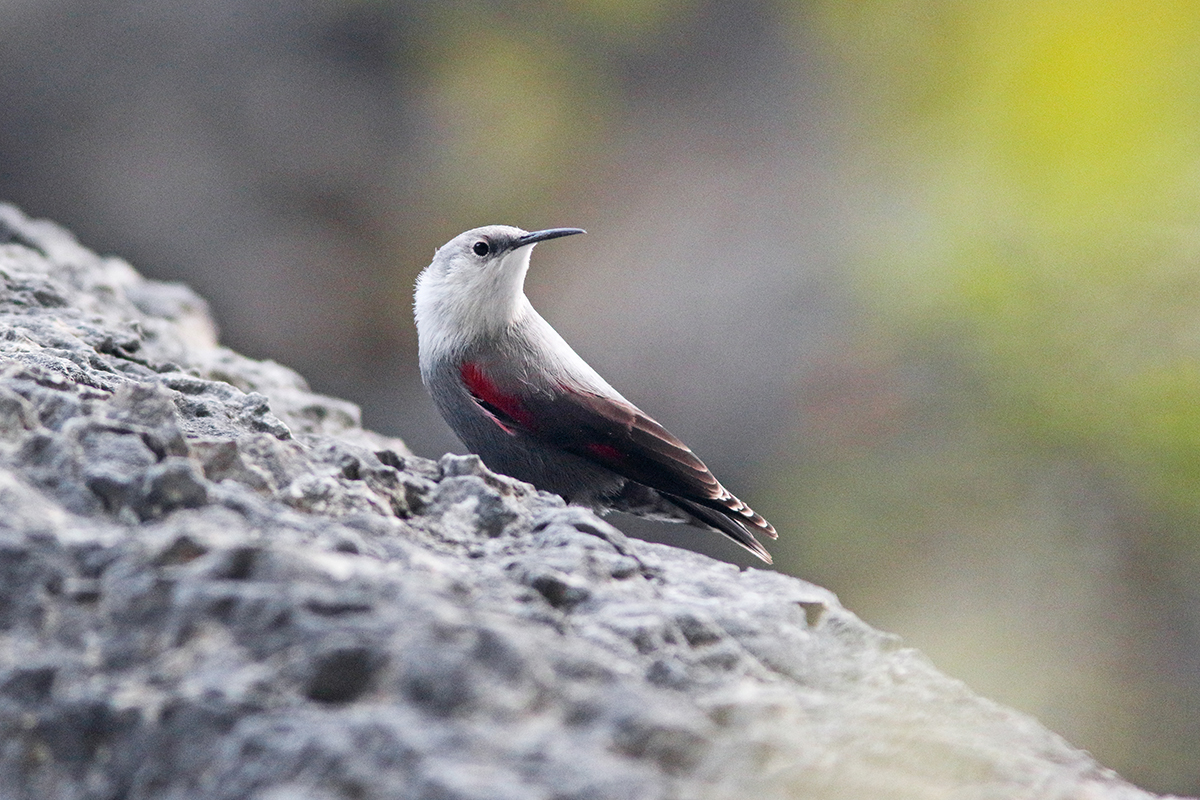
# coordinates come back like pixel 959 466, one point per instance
pixel 612 433
pixel 506 410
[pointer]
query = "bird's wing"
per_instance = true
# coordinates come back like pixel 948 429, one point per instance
pixel 622 438
pixel 613 433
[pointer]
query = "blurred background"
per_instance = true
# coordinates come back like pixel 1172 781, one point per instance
pixel 919 279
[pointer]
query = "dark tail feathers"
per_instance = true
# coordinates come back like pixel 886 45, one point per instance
pixel 726 522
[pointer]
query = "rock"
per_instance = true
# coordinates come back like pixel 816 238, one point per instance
pixel 215 584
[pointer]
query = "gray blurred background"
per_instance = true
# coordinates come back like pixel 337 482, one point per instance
pixel 917 279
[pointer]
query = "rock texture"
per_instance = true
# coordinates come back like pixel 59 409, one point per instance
pixel 215 584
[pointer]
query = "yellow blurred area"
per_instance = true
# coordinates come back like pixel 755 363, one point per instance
pixel 1054 169
pixel 1094 109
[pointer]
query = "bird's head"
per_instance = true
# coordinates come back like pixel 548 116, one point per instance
pixel 475 285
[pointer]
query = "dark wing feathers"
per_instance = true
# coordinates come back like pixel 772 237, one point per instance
pixel 631 444
pixel 622 438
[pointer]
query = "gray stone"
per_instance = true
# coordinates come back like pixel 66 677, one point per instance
pixel 215 584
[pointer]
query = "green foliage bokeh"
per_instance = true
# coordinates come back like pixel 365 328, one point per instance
pixel 1049 154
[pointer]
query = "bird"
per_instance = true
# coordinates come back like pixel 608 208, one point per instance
pixel 530 407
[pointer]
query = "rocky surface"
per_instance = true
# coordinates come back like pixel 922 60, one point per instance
pixel 215 584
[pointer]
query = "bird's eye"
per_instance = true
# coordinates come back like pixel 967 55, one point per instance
pixel 481 248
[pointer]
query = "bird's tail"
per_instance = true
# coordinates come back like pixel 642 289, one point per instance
pixel 735 527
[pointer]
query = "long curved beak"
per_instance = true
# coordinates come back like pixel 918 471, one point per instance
pixel 549 233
